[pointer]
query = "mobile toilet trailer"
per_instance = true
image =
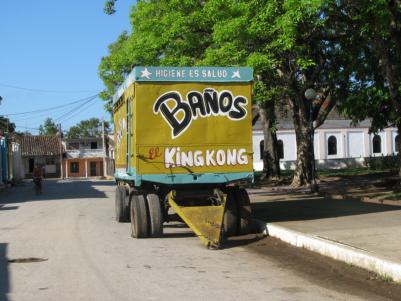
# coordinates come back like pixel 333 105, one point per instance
pixel 183 140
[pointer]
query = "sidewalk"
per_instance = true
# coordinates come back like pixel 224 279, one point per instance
pixel 365 234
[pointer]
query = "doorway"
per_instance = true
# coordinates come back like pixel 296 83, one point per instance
pixel 31 164
pixel 93 169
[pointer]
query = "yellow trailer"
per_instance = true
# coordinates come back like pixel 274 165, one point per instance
pixel 183 140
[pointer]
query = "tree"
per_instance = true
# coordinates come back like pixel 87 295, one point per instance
pixel 6 126
pixel 164 33
pixel 109 7
pixel 173 33
pixel 48 128
pixel 87 128
pixel 376 83
pixel 291 45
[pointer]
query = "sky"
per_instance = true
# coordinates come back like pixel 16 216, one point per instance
pixel 49 56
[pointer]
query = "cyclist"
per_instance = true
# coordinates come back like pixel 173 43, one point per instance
pixel 37 178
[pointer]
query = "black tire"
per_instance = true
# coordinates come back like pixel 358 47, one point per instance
pixel 121 204
pixel 245 212
pixel 139 216
pixel 155 215
pixel 231 219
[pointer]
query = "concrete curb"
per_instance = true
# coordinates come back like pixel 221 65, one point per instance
pixel 335 250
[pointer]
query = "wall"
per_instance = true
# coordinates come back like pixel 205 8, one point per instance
pixel 84 168
pixel 353 145
pixel 51 164
pixel 16 165
pixel 3 160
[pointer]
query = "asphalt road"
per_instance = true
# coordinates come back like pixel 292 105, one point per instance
pixel 66 245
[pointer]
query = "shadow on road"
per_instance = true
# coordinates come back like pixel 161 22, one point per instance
pixel 310 208
pixel 3 207
pixel 239 241
pixel 4 275
pixel 56 190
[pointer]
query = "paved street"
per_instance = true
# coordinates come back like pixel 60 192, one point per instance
pixel 81 253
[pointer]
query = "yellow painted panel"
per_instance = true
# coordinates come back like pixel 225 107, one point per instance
pixel 208 138
pixel 121 126
pixel 120 134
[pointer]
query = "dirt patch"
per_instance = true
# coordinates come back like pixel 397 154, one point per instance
pixel 327 272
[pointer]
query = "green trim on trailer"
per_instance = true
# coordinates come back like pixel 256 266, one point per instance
pixel 179 179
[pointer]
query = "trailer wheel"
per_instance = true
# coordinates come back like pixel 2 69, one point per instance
pixel 245 212
pixel 231 220
pixel 155 215
pixel 121 200
pixel 139 217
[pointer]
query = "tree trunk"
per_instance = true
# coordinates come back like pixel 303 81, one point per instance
pixel 303 174
pixel 271 166
pixel 392 78
pixel 399 153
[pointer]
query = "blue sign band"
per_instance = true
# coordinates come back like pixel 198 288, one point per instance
pixel 185 74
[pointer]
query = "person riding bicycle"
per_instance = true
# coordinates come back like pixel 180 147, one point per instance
pixel 37 177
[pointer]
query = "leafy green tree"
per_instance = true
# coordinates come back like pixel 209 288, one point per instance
pixel 48 128
pixel 6 126
pixel 109 7
pixel 292 46
pixel 375 26
pixel 87 128
pixel 166 33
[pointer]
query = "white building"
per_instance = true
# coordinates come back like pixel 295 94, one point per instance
pixel 337 144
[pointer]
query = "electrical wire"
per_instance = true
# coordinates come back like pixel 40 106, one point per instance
pixel 53 108
pixel 43 90
pixel 26 127
pixel 82 109
pixel 72 111
pixel 65 111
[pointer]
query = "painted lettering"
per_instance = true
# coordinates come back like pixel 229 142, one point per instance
pixel 169 157
pixel 209 158
pixel 175 157
pixel 197 104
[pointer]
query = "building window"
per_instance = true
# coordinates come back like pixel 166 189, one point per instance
pixel 280 149
pixel 377 144
pixel 93 145
pixel 332 145
pixel 397 143
pixel 74 167
pixel 262 148
pixel 73 145
pixel 50 161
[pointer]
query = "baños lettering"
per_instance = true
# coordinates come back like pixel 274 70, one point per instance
pixel 206 104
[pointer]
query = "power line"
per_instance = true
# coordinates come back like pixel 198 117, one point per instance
pixel 43 90
pixel 72 111
pixel 39 116
pixel 42 115
pixel 82 110
pixel 53 108
pixel 26 127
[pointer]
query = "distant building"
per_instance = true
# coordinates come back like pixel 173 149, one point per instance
pixel 3 161
pixel 84 157
pixel 43 151
pixel 15 166
pixel 5 127
pixel 337 143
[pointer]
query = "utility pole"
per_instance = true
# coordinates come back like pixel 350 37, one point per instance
pixel 104 149
pixel 61 151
